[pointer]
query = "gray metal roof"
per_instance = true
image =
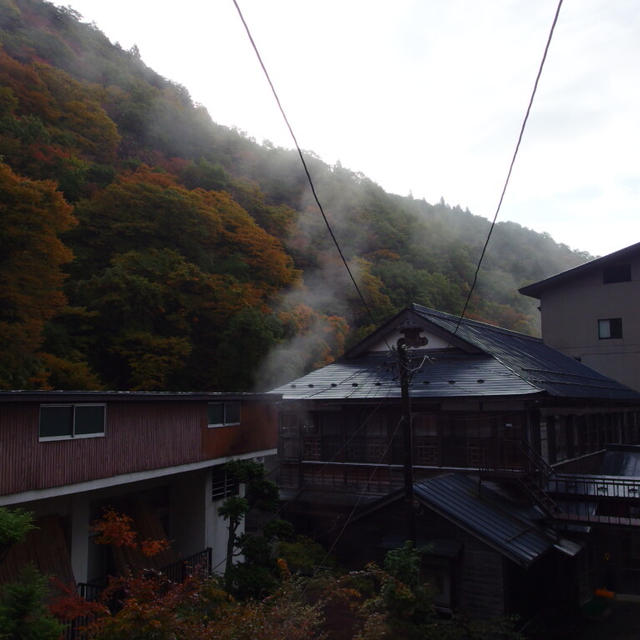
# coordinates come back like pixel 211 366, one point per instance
pixel 490 362
pixel 375 376
pixel 621 461
pixel 486 515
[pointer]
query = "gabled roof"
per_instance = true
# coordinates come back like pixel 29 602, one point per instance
pixel 483 361
pixel 537 288
pixel 513 531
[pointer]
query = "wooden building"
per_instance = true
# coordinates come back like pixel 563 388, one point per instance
pixel 485 402
pixel 65 456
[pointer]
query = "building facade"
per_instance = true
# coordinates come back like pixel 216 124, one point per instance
pixel 592 313
pixel 158 457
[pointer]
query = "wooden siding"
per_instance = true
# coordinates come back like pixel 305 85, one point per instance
pixel 258 431
pixel 481 589
pixel 139 436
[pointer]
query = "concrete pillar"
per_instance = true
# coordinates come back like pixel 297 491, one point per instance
pixel 188 521
pixel 80 536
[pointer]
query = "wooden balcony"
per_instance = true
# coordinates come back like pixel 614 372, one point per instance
pixel 481 454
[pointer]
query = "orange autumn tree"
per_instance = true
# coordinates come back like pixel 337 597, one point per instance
pixel 147 604
pixel 32 216
pixel 116 529
pixel 174 282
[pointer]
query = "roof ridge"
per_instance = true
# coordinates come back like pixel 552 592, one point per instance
pixel 469 321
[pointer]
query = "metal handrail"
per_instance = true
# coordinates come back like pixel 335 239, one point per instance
pixel 198 563
pixel 539 463
pixel 595 486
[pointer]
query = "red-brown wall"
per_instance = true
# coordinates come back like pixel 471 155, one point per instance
pixel 139 436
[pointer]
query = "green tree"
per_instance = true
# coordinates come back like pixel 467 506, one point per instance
pixel 260 493
pixel 14 526
pixel 23 611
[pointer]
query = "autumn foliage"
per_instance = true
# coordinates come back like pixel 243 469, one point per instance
pixel 33 214
pixel 195 245
pixel 375 603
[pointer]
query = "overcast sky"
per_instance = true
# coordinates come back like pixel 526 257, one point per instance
pixel 425 96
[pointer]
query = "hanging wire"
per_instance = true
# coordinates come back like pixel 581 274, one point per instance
pixel 304 165
pixel 513 160
pixel 359 500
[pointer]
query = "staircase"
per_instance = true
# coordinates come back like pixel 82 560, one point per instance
pixel 536 481
pixel 537 493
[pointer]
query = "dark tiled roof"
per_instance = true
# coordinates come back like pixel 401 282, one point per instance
pixel 513 532
pixel 534 290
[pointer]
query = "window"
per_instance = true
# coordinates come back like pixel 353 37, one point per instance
pixel 222 484
pixel 222 414
pixel 61 421
pixel 610 328
pixel 616 273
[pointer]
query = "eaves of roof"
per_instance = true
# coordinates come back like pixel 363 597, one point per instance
pixel 130 396
pixel 535 289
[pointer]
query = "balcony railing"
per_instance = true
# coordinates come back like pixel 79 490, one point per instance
pixel 196 564
pixel 595 499
pixel 474 453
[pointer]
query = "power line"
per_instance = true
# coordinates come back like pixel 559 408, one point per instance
pixel 360 497
pixel 513 159
pixel 304 164
pixel 323 464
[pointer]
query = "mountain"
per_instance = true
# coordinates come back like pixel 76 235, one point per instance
pixel 146 247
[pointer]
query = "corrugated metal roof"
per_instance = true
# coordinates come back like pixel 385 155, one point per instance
pixel 621 461
pixel 375 376
pixel 485 515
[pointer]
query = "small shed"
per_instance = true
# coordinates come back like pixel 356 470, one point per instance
pixel 485 553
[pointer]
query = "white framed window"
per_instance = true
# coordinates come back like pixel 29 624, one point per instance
pixel 610 328
pixel 66 421
pixel 223 414
pixel 222 484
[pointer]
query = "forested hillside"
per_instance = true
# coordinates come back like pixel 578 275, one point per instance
pixel 145 247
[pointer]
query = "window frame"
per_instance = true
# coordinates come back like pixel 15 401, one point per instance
pixel 73 435
pixel 223 486
pixel 618 324
pixel 225 422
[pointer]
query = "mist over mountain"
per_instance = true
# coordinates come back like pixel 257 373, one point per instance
pixel 146 247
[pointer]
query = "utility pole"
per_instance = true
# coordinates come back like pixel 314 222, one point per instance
pixel 412 338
